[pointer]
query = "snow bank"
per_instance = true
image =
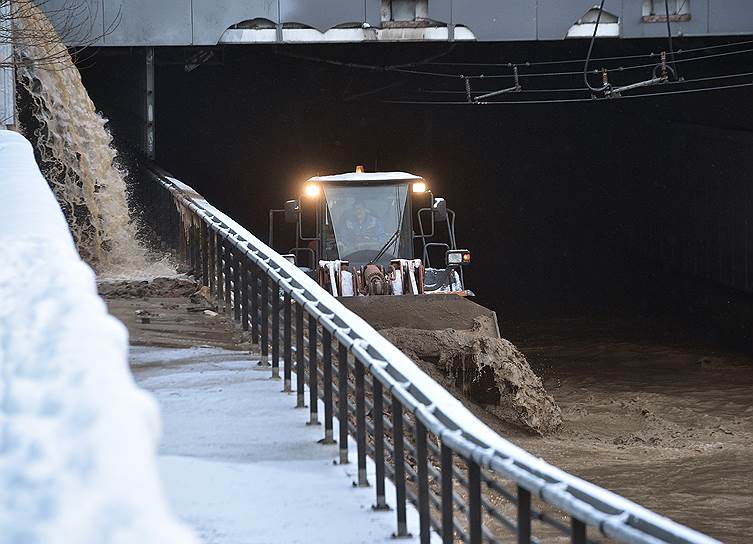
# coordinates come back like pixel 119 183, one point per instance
pixel 77 437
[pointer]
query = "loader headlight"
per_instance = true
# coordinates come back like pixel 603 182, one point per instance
pixel 290 258
pixel 419 187
pixel 458 257
pixel 312 190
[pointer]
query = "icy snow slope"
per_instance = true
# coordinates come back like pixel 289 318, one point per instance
pixel 77 437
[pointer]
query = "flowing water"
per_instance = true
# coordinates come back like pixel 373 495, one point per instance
pixel 76 154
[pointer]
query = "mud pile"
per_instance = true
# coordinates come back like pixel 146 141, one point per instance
pixel 158 287
pixel 489 370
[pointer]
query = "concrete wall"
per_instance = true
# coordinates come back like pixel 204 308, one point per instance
pixel 202 22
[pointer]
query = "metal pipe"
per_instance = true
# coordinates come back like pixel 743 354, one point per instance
pixel 299 349
pixel 399 464
pixel 422 460
pixel 524 516
pixel 264 320
pixel 228 259
pixel 288 344
pixel 578 532
pixel 243 267
pixel 447 495
pixel 237 288
pixel 313 374
pixel 204 254
pixel 329 437
pixel 218 272
pixel 378 415
pixel 254 307
pixel 361 423
pixel 474 502
pixel 275 332
pixel 342 400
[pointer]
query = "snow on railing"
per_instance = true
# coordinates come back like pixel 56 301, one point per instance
pixel 466 481
pixel 77 437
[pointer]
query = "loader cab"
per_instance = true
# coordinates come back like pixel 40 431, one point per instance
pixel 365 220
pixel 373 233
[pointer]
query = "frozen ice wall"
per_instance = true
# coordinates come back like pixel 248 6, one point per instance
pixel 78 439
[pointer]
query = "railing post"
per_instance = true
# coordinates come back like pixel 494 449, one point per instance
pixel 254 307
pixel 243 266
pixel 448 503
pixel 219 269
pixel 288 345
pixel 313 373
pixel 264 319
pixel 228 277
pixel 190 255
pixel 236 285
pixel 381 500
pixel 275 331
pixel 329 436
pixel 474 502
pixel 212 262
pixel 195 251
pixel 399 461
pixel 299 350
pixel 181 236
pixel 361 423
pixel 578 531
pixel 422 460
pixel 524 516
pixel 342 403
pixel 204 253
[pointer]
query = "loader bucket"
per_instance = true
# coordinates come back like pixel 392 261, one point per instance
pixel 423 312
pixel 457 342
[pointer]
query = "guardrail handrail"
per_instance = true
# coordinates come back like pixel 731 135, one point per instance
pixel 212 240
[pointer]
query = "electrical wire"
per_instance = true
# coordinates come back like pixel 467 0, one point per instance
pixel 568 100
pixel 570 73
pixel 606 85
pixel 580 61
pixel 445 75
pixel 584 89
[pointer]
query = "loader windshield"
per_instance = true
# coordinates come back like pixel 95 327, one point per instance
pixel 364 219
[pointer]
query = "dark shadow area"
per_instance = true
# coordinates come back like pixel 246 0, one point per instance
pixel 635 207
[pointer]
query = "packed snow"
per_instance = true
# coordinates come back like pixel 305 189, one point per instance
pixel 241 465
pixel 77 437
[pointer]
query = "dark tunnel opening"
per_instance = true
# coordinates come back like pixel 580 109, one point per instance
pixel 632 208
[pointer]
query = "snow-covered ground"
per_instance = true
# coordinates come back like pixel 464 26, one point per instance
pixel 77 437
pixel 241 465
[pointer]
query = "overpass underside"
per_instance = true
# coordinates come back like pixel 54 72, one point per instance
pixel 208 22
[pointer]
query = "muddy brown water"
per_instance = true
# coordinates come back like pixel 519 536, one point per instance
pixel 663 421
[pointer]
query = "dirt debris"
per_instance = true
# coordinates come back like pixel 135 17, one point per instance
pixel 158 287
pixel 171 312
pixel 487 369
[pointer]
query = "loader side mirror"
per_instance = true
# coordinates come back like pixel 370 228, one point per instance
pixel 439 208
pixel 292 211
pixel 457 257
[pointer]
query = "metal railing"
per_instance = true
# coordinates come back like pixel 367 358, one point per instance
pixel 467 483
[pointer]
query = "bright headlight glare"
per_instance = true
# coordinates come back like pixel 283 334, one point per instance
pixel 312 190
pixel 454 258
pixel 419 187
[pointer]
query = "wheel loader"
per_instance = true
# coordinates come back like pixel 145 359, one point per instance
pixel 385 246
